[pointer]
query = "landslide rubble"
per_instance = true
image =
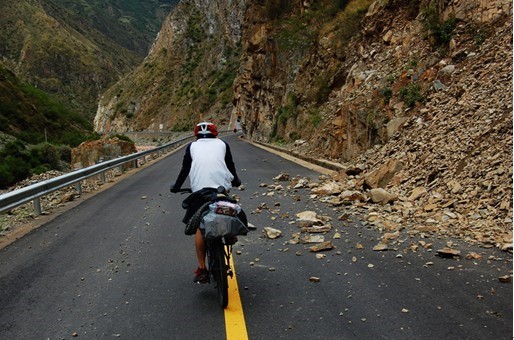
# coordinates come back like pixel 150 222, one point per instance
pixel 449 170
pixel 445 167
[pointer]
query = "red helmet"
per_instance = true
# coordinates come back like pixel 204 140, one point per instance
pixel 205 128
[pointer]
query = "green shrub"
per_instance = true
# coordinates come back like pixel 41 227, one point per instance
pixel 18 162
pixel 283 115
pixel 411 94
pixel 387 93
pixel 18 167
pixel 315 118
pixel 40 169
pixel 44 154
pixel 6 177
pixel 64 152
pixel 445 32
pixel 441 31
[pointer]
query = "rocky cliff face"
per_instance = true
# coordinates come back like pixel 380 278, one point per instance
pixel 346 93
pixel 342 76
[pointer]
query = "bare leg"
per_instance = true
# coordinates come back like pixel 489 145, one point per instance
pixel 200 248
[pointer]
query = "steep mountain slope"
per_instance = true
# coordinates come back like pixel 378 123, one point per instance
pixel 419 104
pixel 73 50
pixel 189 72
pixel 130 23
pixel 31 116
pixel 448 170
pixel 362 71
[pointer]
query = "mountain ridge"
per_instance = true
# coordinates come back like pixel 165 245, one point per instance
pixel 52 47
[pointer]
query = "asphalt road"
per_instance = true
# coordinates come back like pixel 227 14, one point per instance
pixel 119 265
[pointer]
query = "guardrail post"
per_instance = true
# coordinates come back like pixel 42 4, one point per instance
pixel 102 176
pixel 37 206
pixel 78 187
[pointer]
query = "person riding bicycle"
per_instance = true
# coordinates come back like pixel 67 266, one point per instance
pixel 209 164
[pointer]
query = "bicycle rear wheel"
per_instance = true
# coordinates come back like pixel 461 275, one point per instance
pixel 219 271
pixel 195 220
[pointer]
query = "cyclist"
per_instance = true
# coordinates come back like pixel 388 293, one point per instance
pixel 208 162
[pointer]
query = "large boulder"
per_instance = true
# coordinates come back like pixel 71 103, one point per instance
pixel 93 152
pixel 379 178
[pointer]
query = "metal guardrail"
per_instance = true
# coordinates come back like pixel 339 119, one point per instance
pixel 34 192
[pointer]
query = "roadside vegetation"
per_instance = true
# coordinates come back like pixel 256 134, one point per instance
pixel 36 131
pixel 439 31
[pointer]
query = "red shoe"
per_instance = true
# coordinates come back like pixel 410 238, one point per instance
pixel 201 275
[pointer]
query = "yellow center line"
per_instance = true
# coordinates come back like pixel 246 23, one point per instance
pixel 234 318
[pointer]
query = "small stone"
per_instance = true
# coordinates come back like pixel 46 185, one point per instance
pixel 505 279
pixel 322 246
pixel 448 252
pixel 314 279
pixel 272 233
pixel 380 247
pixel 282 177
pixel 313 239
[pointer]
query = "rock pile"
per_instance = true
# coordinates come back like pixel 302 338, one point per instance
pixel 446 167
pixel 449 208
pixel 450 169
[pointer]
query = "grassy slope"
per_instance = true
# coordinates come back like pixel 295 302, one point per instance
pixel 66 58
pixel 132 24
pixel 29 114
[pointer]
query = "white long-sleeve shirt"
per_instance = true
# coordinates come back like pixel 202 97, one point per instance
pixel 208 168
pixel 208 161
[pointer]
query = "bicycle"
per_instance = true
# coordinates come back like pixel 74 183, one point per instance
pixel 220 220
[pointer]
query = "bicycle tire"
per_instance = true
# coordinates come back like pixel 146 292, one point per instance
pixel 194 221
pixel 220 271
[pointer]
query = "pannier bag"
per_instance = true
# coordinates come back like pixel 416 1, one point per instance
pixel 218 225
